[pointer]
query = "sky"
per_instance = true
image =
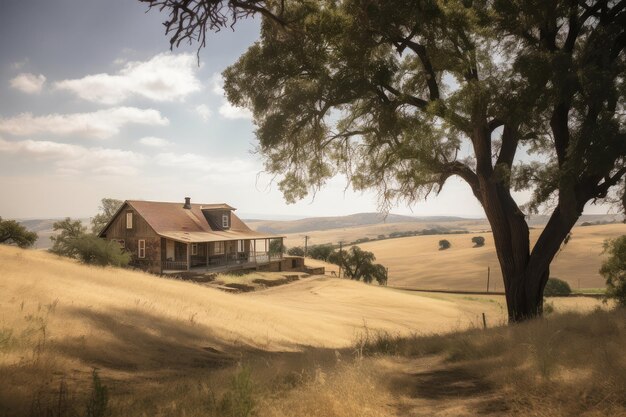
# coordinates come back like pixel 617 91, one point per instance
pixel 94 104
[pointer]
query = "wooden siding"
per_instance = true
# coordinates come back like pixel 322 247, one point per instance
pixel 140 230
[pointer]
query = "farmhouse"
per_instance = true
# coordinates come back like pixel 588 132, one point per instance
pixel 174 237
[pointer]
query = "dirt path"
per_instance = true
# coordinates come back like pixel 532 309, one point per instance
pixel 430 387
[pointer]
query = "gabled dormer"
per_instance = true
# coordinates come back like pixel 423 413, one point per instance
pixel 218 218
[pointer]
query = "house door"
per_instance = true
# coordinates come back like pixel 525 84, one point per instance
pixel 169 249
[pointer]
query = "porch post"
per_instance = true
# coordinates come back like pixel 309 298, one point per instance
pixel 188 256
pixel 206 249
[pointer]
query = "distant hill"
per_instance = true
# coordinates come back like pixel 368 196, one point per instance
pixel 337 222
pixel 43 228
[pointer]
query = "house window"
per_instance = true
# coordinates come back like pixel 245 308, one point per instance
pixel 224 220
pixel 241 246
pixel 194 248
pixel 219 248
pixel 129 220
pixel 141 250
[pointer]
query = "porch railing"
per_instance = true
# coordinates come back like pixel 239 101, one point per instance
pixel 216 261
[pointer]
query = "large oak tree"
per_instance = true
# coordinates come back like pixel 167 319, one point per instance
pixel 402 95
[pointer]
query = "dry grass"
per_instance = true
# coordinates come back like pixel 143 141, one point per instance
pixel 317 347
pixel 416 262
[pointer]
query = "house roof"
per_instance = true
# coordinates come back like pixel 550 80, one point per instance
pixel 174 222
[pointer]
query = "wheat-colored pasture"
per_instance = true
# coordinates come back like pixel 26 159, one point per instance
pixel 417 262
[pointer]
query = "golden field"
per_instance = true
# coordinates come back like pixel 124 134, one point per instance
pixel 316 347
pixel 417 262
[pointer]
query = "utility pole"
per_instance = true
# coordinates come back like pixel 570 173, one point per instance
pixel 488 276
pixel 340 257
pixel 306 245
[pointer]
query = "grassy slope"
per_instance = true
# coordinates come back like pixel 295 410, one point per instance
pixel 167 347
pixel 416 261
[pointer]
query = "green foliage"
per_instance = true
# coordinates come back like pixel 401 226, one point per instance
pixel 444 244
pixel 400 96
pixel 296 251
pixel 63 243
pixel 321 252
pixel 13 233
pixel 98 398
pixel 614 269
pixel 358 264
pixel 276 246
pixel 108 208
pixel 93 250
pixel 238 401
pixel 478 241
pixel 556 287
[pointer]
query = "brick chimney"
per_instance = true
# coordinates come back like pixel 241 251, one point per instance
pixel 187 203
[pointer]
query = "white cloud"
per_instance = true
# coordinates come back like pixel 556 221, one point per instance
pixel 154 142
pixel 100 124
pixel 204 112
pixel 217 84
pixel 200 163
pixel 28 83
pixel 74 159
pixel 165 77
pixel 229 111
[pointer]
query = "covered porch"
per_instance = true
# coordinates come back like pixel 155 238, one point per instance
pixel 218 256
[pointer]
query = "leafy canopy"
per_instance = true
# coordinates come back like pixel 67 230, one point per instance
pixel 614 269
pixel 402 95
pixel 13 233
pixel 108 208
pixel 63 243
pixel 359 265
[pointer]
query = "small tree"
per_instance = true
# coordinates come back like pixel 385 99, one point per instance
pixel 556 287
pixel 321 252
pixel 359 265
pixel 107 210
pixel 92 250
pixel 614 269
pixel 13 233
pixel 63 244
pixel 444 244
pixel 478 241
pixel 276 246
pixel 295 251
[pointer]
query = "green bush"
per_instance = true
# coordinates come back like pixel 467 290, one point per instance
pixel 296 251
pixel 614 269
pixel 321 252
pixel 444 244
pixel 92 250
pixel 478 241
pixel 556 287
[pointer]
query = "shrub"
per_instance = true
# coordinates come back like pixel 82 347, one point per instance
pixel 276 246
pixel 95 251
pixel 63 243
pixel 444 244
pixel 321 252
pixel 478 241
pixel 295 251
pixel 556 287
pixel 238 401
pixel 613 269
